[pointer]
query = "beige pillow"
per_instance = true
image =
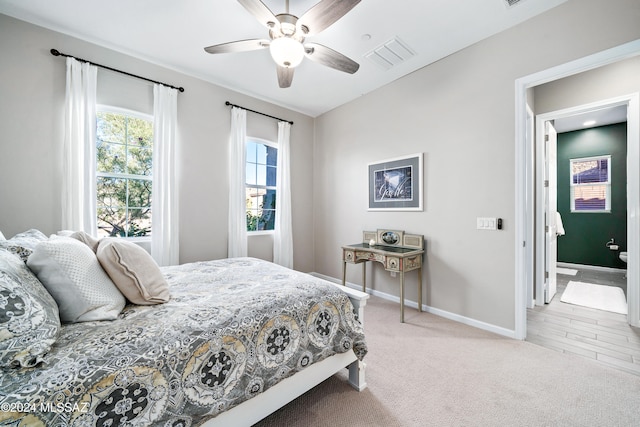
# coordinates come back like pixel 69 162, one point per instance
pixel 87 239
pixel 133 271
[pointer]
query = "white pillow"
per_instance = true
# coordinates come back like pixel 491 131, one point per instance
pixel 2 236
pixel 73 276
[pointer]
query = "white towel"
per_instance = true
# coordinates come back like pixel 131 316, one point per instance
pixel 559 226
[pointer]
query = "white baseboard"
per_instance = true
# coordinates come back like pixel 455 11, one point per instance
pixel 591 267
pixel 442 313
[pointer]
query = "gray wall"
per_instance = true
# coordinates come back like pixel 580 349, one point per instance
pixel 460 113
pixel 617 79
pixel 32 85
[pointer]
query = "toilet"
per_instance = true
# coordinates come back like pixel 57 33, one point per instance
pixel 623 256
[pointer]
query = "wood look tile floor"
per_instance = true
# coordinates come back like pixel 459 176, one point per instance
pixel 602 336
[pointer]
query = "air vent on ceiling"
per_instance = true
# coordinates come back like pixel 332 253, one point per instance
pixel 511 3
pixel 390 54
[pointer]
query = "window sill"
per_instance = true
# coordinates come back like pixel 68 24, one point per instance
pixel 259 233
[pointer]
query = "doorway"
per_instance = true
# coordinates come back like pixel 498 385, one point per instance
pixel 603 113
pixel 526 202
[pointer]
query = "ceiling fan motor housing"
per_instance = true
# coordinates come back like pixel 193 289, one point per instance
pixel 286 47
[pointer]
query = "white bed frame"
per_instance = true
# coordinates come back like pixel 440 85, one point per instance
pixel 260 406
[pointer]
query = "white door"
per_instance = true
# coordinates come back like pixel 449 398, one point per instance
pixel 551 207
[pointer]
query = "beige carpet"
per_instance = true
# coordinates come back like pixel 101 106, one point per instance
pixel 431 371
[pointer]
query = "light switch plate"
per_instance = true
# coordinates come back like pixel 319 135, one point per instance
pixel 484 223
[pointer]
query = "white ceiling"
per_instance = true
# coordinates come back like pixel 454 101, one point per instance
pixel 590 119
pixel 173 34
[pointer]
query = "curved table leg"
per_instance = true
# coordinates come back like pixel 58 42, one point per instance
pixel 402 296
pixel 364 277
pixel 420 289
pixel 344 273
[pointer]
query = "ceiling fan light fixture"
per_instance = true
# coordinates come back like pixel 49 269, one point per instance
pixel 286 52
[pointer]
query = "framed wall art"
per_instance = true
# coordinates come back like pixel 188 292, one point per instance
pixel 396 184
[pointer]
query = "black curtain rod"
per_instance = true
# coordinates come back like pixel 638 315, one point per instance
pixel 55 52
pixel 258 112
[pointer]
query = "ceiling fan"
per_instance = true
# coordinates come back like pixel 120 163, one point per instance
pixel 287 34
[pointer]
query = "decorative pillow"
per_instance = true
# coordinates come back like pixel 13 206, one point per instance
pixel 72 274
pixel 23 244
pixel 87 239
pixel 29 319
pixel 2 236
pixel 133 271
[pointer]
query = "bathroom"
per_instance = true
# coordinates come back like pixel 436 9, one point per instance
pixel 593 213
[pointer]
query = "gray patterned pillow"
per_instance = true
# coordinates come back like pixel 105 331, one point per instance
pixel 23 244
pixel 29 319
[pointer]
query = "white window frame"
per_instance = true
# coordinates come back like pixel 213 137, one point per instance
pixel 607 185
pixel 102 108
pixel 272 145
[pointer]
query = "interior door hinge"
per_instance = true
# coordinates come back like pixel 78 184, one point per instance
pixel 546 274
pixel 546 183
pixel 546 228
pixel 546 138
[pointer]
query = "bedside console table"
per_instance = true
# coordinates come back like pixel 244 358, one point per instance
pixel 396 251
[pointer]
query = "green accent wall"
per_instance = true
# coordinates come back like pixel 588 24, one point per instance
pixel 586 233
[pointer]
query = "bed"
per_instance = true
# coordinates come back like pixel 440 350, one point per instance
pixel 237 339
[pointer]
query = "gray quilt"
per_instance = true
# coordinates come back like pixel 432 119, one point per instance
pixel 232 329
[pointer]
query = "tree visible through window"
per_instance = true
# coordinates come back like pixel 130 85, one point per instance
pixel 260 185
pixel 591 184
pixel 124 173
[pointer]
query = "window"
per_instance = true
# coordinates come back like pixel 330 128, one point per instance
pixel 124 163
pixel 591 184
pixel 260 185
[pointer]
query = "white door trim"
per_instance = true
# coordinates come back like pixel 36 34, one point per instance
pixel 524 197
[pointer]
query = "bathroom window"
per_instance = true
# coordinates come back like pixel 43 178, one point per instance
pixel 591 184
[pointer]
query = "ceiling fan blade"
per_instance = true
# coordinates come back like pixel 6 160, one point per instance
pixel 261 12
pixel 329 57
pixel 324 14
pixel 285 76
pixel 238 46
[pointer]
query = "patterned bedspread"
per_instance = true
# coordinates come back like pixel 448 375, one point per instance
pixel 232 329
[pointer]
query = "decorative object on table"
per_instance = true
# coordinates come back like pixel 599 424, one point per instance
pixel 396 184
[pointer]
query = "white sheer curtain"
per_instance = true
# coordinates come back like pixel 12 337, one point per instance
pixel 164 200
pixel 79 158
pixel 237 246
pixel 283 236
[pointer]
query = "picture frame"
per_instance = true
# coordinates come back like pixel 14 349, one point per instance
pixel 396 184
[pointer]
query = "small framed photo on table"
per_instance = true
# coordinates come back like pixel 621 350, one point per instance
pixel 396 184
